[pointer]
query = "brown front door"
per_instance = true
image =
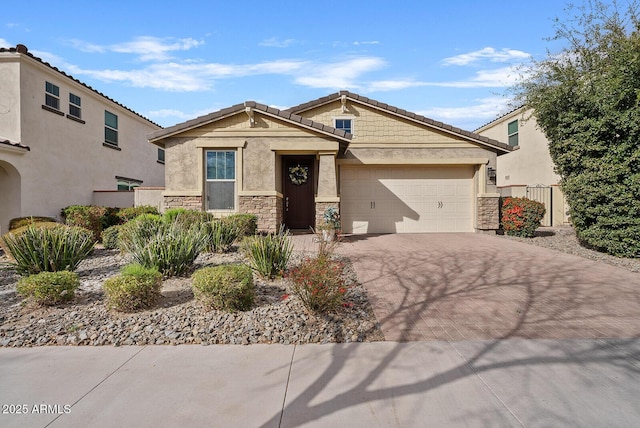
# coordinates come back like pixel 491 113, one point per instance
pixel 299 208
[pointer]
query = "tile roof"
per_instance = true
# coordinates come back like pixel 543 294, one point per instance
pixel 10 143
pixel 515 109
pixel 403 113
pixel 271 111
pixel 22 49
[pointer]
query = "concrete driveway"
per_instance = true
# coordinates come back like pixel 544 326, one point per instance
pixel 471 286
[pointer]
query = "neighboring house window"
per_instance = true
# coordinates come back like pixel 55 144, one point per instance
pixel 127 183
pixel 160 155
pixel 74 106
pixel 52 96
pixel 221 180
pixel 110 128
pixel 344 124
pixel 512 132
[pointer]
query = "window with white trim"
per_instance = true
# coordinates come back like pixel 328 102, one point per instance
pixel 220 180
pixel 110 128
pixel 52 95
pixel 74 106
pixel 125 183
pixel 344 124
pixel 512 133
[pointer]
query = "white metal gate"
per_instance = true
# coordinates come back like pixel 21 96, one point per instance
pixel 543 194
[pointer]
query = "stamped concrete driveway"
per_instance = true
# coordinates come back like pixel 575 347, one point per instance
pixel 471 286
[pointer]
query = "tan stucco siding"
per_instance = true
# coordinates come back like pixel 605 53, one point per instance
pixel 239 124
pixel 182 167
pixel 374 126
pixel 10 102
pixel 258 171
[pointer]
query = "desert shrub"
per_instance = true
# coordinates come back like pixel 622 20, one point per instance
pixel 110 217
pixel 21 229
pixel 169 247
pixel 41 248
pixel 319 284
pixel 88 216
pixel 191 218
pixel 49 288
pixel 137 287
pixel 18 222
pixel 269 254
pixel 110 237
pixel 224 287
pixel 247 224
pixel 521 216
pixel 170 214
pixel 219 235
pixel 127 214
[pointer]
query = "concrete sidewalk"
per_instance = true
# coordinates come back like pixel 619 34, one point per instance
pixel 507 383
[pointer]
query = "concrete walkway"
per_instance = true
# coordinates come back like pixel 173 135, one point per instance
pixel 510 383
pixel 471 286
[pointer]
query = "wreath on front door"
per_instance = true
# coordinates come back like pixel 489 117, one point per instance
pixel 298 174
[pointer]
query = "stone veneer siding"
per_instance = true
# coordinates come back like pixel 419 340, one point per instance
pixel 268 209
pixel 188 202
pixel 488 213
pixel 321 207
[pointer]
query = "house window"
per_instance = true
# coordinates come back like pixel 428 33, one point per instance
pixel 512 132
pixel 160 155
pixel 221 180
pixel 343 124
pixel 74 106
pixel 125 183
pixel 52 95
pixel 110 128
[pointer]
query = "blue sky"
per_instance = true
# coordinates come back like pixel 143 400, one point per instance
pixel 174 60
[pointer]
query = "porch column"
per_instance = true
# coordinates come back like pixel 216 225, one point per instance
pixel 327 195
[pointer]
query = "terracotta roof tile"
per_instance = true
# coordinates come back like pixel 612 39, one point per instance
pixel 10 143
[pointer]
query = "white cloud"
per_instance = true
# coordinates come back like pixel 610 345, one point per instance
pixel 373 42
pixel 4 43
pixel 485 109
pixel 147 48
pixel 497 78
pixel 393 85
pixel 339 75
pixel 488 53
pixel 274 42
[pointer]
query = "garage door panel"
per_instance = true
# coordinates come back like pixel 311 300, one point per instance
pixel 406 199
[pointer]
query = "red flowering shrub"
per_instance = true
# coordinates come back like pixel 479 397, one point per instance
pixel 319 283
pixel 521 216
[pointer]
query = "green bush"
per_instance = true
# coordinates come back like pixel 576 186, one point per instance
pixel 88 216
pixel 41 248
pixel 247 224
pixel 319 284
pixel 189 218
pixel 110 237
pixel 521 216
pixel 49 288
pixel 137 287
pixel 219 236
pixel 224 287
pixel 269 254
pixel 18 222
pixel 128 214
pixel 169 247
pixel 170 214
pixel 45 225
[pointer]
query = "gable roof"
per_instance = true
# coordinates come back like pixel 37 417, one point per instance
pixel 499 118
pixel 22 49
pixel 13 144
pixel 339 134
pixel 440 126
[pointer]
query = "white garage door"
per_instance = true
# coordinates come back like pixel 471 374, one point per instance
pixel 406 199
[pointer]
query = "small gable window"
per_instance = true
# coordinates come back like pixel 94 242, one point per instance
pixel 512 133
pixel 344 124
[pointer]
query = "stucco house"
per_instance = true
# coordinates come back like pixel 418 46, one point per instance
pixel 64 143
pixel 528 170
pixel 385 169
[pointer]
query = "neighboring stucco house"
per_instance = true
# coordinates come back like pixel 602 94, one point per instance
pixel 387 170
pixel 528 170
pixel 64 143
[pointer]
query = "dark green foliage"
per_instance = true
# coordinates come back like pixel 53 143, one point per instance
pixel 247 224
pixel 18 222
pixel 41 248
pixel 587 102
pixel 268 255
pixel 49 288
pixel 224 287
pixel 521 216
pixel 137 287
pixel 110 237
pixel 88 216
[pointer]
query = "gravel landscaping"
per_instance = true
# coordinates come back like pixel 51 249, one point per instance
pixel 564 239
pixel 277 316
